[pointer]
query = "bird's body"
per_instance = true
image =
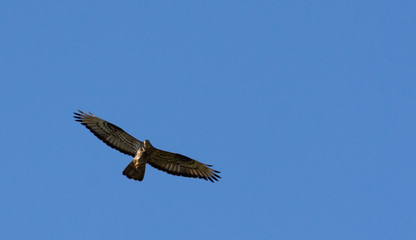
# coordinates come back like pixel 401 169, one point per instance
pixel 144 153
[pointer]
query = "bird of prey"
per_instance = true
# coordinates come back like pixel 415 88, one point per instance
pixel 144 152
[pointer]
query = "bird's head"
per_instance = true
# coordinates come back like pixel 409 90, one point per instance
pixel 147 144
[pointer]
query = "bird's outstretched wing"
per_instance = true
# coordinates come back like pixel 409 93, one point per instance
pixel 177 164
pixel 110 134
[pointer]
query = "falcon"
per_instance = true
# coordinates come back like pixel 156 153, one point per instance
pixel 144 152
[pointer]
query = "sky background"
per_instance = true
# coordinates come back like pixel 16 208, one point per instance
pixel 307 108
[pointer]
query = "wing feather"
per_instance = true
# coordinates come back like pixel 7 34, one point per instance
pixel 109 133
pixel 180 165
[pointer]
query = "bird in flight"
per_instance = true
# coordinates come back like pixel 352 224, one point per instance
pixel 144 152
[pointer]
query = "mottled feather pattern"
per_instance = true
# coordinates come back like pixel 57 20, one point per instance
pixel 180 165
pixel 109 133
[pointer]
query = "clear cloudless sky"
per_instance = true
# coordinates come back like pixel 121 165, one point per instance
pixel 308 109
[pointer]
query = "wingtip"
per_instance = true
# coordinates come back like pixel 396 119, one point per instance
pixel 80 114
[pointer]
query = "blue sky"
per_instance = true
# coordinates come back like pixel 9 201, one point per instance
pixel 307 108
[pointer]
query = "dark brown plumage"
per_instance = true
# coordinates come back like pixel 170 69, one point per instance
pixel 144 152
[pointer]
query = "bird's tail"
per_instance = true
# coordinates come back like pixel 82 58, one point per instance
pixel 135 170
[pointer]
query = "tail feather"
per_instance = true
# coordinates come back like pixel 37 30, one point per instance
pixel 135 170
